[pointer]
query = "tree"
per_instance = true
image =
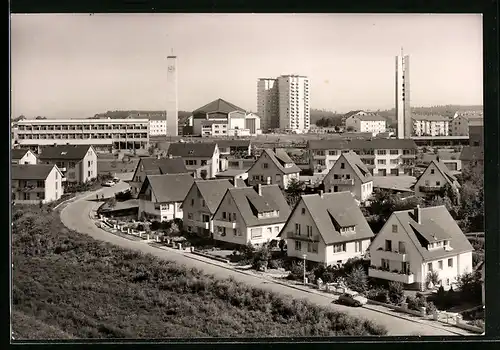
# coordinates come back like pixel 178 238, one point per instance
pixel 396 293
pixel 432 277
pixel 151 150
pixel 294 190
pixel 349 129
pixel 261 258
pixel 470 286
pixel 357 280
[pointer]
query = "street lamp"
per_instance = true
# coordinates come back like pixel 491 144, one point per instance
pixel 304 256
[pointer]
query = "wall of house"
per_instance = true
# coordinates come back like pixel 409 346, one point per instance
pixel 228 205
pixel 459 126
pixel 268 173
pixel 28 158
pixel 429 179
pixel 269 232
pixel 448 275
pixel 197 210
pixel 236 120
pixel 53 186
pixel 89 166
pixel 333 258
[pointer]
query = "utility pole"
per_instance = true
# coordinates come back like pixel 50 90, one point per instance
pixel 304 256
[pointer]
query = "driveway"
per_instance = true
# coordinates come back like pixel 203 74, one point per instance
pixel 75 216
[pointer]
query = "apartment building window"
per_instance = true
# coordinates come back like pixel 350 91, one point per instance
pixel 88 163
pixel 432 171
pixel 332 153
pixel 381 152
pixel 265 165
pixel 381 161
pixel 89 173
pixel 312 247
pixel 303 210
pixel 320 162
pixel 394 228
pixel 298 245
pixel 320 153
pixel 26 196
pixel 429 266
pixel 224 215
pixel 388 245
pixel 342 165
pixel 40 184
pixel 339 248
pixel 203 162
pixel 450 262
pixel 393 152
pixel 394 161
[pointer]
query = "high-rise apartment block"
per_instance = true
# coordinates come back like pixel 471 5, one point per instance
pixel 268 103
pixel 403 110
pixel 284 103
pixel 172 105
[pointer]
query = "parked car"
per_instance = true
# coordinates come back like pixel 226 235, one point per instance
pixel 352 299
pixel 116 180
pixel 109 183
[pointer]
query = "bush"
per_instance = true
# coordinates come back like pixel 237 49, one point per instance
pixel 430 308
pixel 470 287
pixel 274 264
pixel 261 258
pixel 296 271
pixel 378 294
pixel 396 293
pixel 357 279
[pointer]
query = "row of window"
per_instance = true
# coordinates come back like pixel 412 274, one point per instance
pixel 27 196
pixel 195 162
pixel 79 136
pixel 381 152
pixel 81 127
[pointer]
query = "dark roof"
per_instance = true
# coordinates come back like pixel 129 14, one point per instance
pixel 233 143
pixel 358 166
pixel 30 171
pixel 280 158
pixel 435 222
pixel 249 204
pixel 371 117
pixel 18 153
pixel 472 153
pixel 212 191
pixel 376 143
pixel 334 210
pixel 76 152
pixel 155 166
pixel 219 105
pixel 192 149
pixel 168 188
pixel 351 113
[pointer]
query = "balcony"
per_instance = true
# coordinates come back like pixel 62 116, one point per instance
pixel 429 188
pixel 64 179
pixel 304 237
pixel 366 156
pixel 391 276
pixel 226 224
pixel 348 182
pixel 408 156
pixel 391 255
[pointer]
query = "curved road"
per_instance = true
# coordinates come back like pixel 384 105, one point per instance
pixel 75 216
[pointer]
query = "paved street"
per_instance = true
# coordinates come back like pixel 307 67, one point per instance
pixel 76 216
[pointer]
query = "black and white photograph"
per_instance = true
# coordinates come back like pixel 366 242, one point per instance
pixel 235 176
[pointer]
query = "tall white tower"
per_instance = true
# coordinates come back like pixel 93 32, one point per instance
pixel 172 105
pixel 294 110
pixel 403 110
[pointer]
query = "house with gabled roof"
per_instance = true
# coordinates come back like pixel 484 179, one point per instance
pixel 472 156
pixel 23 156
pixel 273 167
pixel 35 183
pixel 78 163
pixel 155 166
pixel 328 227
pixel 413 243
pixel 433 180
pixel 161 196
pixel 201 203
pixel 201 158
pixel 253 215
pixel 350 174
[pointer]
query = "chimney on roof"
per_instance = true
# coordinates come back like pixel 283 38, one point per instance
pixel 417 214
pixel 259 189
pixel 321 193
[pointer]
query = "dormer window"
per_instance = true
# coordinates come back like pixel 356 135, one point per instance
pixel 348 229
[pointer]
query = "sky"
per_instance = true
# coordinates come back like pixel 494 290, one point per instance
pixel 66 65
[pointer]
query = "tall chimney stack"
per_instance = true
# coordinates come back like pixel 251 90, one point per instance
pixel 417 213
pixel 259 189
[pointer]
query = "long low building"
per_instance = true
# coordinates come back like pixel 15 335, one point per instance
pixel 101 133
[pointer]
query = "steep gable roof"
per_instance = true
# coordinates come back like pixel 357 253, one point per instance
pixel 351 113
pixel 370 118
pixel 357 165
pixel 470 153
pixel 436 224
pixel 279 159
pixel 333 210
pixel 73 152
pixel 202 150
pixel 212 191
pixel 30 171
pixel 249 204
pixel 18 153
pixel 168 188
pixel 444 170
pixel 155 166
pixel 219 105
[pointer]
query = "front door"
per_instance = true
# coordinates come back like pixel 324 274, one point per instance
pixel 335 188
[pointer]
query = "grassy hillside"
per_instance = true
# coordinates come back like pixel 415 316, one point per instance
pixel 69 285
